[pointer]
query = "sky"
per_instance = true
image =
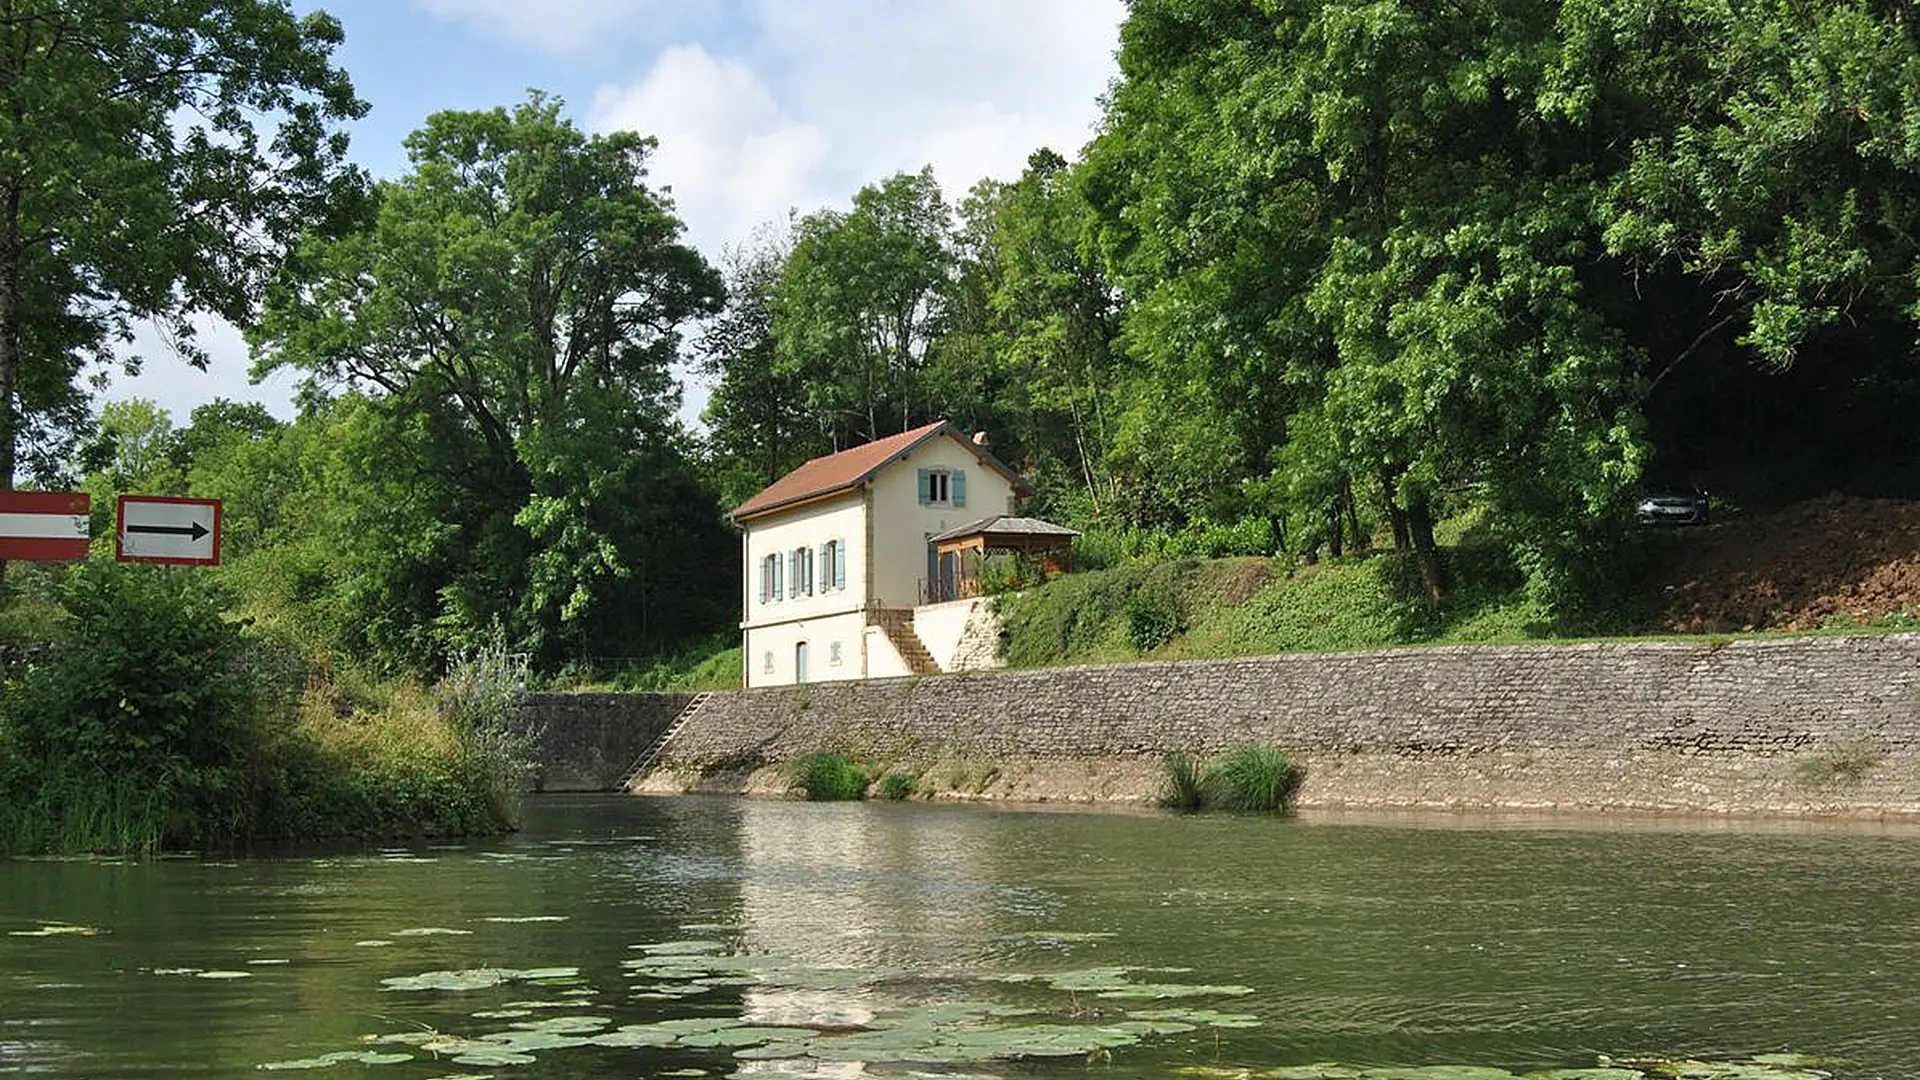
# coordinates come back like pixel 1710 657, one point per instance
pixel 760 106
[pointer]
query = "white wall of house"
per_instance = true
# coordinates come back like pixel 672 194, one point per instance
pixel 809 529
pixel 834 645
pixel 939 627
pixel 902 524
pixel 883 660
pixel 885 560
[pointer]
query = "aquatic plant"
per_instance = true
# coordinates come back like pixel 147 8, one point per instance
pixel 1180 787
pixel 1844 763
pixel 1252 777
pixel 825 776
pixel 897 786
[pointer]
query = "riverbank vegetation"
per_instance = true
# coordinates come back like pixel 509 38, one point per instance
pixel 150 720
pixel 1252 777
pixel 1390 316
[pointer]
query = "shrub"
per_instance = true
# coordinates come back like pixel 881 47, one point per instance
pixel 1180 783
pixel 143 728
pixel 829 777
pixel 479 698
pixel 1842 764
pixel 1252 777
pixel 1153 618
pixel 895 787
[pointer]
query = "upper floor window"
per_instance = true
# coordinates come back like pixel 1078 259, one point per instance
pixel 800 572
pixel 943 487
pixel 833 565
pixel 770 578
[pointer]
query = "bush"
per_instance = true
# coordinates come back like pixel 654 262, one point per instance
pixel 145 727
pixel 1252 777
pixel 1180 783
pixel 478 698
pixel 895 787
pixel 1153 618
pixel 829 777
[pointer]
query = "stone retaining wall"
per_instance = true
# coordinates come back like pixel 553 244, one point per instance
pixel 1801 725
pixel 587 742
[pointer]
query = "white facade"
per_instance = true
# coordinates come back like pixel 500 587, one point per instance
pixel 814 573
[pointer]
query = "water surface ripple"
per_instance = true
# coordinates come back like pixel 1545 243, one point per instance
pixel 1506 942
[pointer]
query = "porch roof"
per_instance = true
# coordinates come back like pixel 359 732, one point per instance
pixel 1014 531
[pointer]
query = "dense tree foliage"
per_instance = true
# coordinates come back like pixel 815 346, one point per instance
pixel 135 182
pixel 505 323
pixel 1330 273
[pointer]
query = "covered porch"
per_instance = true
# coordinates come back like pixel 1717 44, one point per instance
pixel 957 558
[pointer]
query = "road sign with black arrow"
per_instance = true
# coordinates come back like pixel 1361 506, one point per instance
pixel 163 529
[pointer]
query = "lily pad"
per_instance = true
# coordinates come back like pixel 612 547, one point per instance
pixel 58 930
pixel 1601 1072
pixel 690 947
pixel 1203 1017
pixel 471 979
pixel 563 1025
pixel 327 1061
pixel 524 918
pixel 484 1058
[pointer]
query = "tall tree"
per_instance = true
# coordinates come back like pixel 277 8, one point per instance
pixel 857 304
pixel 136 183
pixel 513 309
pixel 757 414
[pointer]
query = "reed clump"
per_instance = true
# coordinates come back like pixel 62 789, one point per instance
pixel 826 776
pixel 1250 778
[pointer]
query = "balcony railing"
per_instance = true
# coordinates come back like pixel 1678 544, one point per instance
pixel 942 589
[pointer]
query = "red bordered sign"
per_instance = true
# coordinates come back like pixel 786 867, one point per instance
pixel 43 525
pixel 163 529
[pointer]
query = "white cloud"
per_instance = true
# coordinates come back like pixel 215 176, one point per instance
pixel 828 96
pixel 552 26
pixel 730 154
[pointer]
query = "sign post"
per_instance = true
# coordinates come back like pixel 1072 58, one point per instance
pixel 43 525
pixel 163 529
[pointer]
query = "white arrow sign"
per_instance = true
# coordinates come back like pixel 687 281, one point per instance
pixel 158 528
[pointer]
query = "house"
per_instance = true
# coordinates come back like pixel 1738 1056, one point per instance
pixel 842 577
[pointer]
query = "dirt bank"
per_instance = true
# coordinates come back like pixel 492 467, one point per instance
pixel 1801 568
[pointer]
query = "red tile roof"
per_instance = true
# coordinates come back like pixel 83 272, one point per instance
pixel 847 469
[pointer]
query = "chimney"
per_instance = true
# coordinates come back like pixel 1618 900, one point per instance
pixel 980 438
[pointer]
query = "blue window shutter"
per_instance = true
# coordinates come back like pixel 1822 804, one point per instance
pixel 778 589
pixel 959 487
pixel 926 486
pixel 840 564
pixel 793 574
pixel 766 580
pixel 826 566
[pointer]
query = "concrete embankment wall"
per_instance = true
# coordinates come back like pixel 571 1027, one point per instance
pixel 1786 726
pixel 587 742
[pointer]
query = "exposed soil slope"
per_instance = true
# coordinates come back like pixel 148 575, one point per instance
pixel 1796 569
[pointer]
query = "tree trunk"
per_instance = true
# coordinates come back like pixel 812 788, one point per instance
pixel 1336 539
pixel 1425 551
pixel 1402 538
pixel 1353 513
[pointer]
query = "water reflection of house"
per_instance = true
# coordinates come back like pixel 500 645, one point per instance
pixel 864 564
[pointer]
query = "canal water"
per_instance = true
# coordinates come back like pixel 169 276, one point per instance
pixel 629 937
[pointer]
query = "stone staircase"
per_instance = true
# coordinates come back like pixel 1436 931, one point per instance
pixel 652 753
pixel 898 625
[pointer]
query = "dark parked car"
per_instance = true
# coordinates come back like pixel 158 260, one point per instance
pixel 1672 504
